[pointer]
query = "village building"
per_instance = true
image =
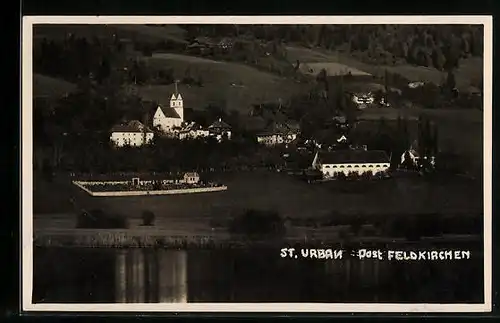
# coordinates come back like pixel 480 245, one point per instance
pixel 348 162
pixel 191 178
pixel 133 133
pixel 167 119
pixel 278 133
pixel 411 159
pixel 192 130
pixel 220 130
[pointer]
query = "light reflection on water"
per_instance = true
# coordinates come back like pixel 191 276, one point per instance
pixel 179 276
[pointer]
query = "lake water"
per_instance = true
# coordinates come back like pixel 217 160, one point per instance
pixel 100 275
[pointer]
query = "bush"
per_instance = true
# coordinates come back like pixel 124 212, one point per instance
pixel 148 218
pixel 97 219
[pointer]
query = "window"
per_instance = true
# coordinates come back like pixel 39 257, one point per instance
pixel 327 166
pixel 348 166
pixel 364 166
pixel 342 166
pixel 334 166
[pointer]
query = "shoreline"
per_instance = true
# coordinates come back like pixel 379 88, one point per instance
pixel 192 190
pixel 126 238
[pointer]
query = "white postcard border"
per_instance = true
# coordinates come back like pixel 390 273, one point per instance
pixel 27 165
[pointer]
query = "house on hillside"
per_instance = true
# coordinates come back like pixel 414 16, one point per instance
pixel 278 133
pixel 166 119
pixel 351 162
pixel 220 130
pixel 133 133
pixel 363 100
pixel 414 85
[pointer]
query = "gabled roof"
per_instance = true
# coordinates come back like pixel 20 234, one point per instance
pixel 169 112
pixel 219 124
pixel 193 126
pixel 132 126
pixel 173 97
pixel 353 156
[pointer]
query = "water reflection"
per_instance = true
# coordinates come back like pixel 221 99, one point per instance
pixel 150 276
pixel 171 276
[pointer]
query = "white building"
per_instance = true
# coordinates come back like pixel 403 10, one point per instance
pixel 167 119
pixel 363 100
pixel 191 178
pixel 278 133
pixel 133 133
pixel 351 161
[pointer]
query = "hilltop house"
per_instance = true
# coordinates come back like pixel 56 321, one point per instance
pixel 362 100
pixel 349 162
pixel 414 85
pixel 133 133
pixel 278 133
pixel 166 119
pixel 220 130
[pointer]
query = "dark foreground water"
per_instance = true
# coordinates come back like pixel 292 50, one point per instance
pixel 157 275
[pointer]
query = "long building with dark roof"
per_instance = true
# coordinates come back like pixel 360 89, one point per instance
pixel 133 133
pixel 351 161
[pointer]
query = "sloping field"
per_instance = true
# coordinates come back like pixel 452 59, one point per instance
pixel 46 86
pixel 235 86
pixel 332 68
pixel 139 32
pixel 468 74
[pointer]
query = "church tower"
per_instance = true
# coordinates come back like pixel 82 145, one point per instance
pixel 177 103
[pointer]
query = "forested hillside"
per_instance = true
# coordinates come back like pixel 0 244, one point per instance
pixel 438 46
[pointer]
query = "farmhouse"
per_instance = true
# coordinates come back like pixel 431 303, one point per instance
pixel 278 133
pixel 414 85
pixel 363 99
pixel 220 130
pixel 166 119
pixel 348 162
pixel 133 134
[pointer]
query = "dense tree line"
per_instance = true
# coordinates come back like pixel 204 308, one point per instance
pixel 439 46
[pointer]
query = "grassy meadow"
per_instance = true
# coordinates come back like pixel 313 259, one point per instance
pixel 46 86
pixel 467 75
pixel 233 85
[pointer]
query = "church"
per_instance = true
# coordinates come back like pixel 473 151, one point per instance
pixel 167 119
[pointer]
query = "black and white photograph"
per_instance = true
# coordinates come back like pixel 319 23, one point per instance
pixel 257 164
